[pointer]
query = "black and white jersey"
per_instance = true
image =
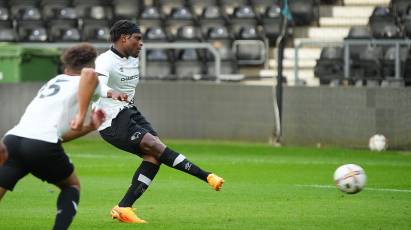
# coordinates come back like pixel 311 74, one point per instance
pixel 48 115
pixel 120 74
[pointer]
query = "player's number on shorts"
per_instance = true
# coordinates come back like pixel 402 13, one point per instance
pixel 51 90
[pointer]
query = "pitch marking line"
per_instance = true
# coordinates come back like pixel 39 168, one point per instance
pixel 371 189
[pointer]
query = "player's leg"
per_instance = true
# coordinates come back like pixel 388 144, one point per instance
pixel 2 192
pixel 152 145
pixel 67 201
pixel 50 163
pixel 12 170
pixel 142 178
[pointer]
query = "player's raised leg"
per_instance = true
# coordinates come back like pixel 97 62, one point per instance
pixel 153 146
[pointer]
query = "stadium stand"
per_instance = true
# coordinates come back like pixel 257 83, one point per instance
pixel 244 32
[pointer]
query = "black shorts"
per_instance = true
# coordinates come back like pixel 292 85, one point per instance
pixel 46 161
pixel 127 129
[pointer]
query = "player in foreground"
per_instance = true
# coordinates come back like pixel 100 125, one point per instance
pixel 55 115
pixel 127 129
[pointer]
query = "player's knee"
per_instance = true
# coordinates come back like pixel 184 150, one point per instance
pixel 151 145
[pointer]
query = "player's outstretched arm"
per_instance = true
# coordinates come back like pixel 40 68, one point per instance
pixel 87 86
pixel 97 118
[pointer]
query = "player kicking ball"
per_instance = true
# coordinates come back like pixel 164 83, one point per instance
pixel 56 114
pixel 125 126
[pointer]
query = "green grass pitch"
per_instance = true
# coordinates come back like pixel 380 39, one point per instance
pixel 266 188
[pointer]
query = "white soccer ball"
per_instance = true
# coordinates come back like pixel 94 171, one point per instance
pixel 350 178
pixel 378 142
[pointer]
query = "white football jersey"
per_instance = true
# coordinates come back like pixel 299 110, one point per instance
pixel 48 115
pixel 120 74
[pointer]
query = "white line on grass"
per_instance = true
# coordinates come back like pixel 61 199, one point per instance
pixel 371 189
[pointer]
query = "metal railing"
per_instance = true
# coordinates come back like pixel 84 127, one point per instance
pixel 346 44
pixel 397 42
pixel 188 45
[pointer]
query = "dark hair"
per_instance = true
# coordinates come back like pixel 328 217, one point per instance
pixel 123 27
pixel 79 56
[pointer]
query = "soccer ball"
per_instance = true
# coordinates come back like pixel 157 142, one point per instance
pixel 378 142
pixel 350 178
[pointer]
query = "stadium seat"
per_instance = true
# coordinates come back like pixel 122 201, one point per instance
pixel 211 16
pixel 358 32
pixel 271 21
pixel 58 10
pixel 189 64
pixel 4 13
pixel 304 12
pixel 64 31
pixel 330 66
pixel 399 7
pixel 242 16
pixel 368 66
pixel 158 65
pixel 383 24
pixel 154 34
pixel 7 32
pixel 388 63
pixel 126 9
pixel 95 30
pixel 93 9
pixel 150 17
pixel 31 31
pixel 178 18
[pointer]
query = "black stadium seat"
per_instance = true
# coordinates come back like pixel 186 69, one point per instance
pixel 388 63
pixel 383 24
pixel 7 32
pixel 31 31
pixel 64 31
pixel 95 30
pixel 304 12
pixel 399 7
pixel 330 65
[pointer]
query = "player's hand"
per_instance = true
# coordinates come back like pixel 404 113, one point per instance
pixel 97 118
pixel 118 96
pixel 77 123
pixel 3 153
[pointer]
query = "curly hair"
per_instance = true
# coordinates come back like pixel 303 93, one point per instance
pixel 123 27
pixel 79 56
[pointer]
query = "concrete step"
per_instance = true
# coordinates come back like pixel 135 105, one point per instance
pixel 342 22
pixel 346 11
pixel 325 33
pixel 289 63
pixel 312 53
pixel 366 2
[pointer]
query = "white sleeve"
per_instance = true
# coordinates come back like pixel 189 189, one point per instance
pixel 103 66
pixel 102 87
